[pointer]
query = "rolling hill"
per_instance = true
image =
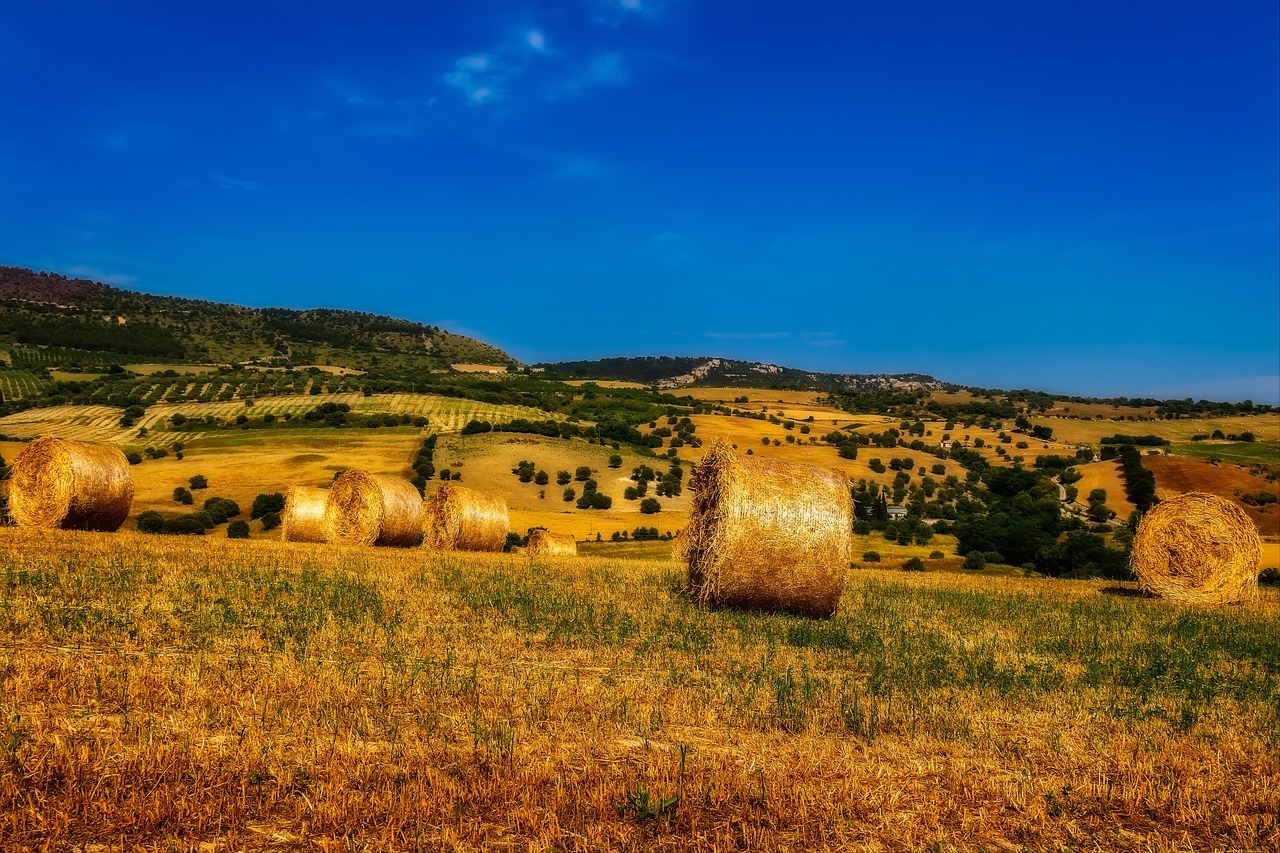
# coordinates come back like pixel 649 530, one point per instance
pixel 90 324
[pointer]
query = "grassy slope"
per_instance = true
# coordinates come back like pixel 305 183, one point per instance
pixel 172 694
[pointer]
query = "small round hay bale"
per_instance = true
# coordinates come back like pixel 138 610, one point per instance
pixel 373 509
pixel 303 516
pixel 463 519
pixel 552 544
pixel 71 485
pixel 767 535
pixel 1198 548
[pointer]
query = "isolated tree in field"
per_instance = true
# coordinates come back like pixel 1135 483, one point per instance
pixel 563 478
pixel 615 461
pixel 238 529
pixel 198 482
pixel 650 505
pixel 570 495
pixel 582 473
pixel 541 478
pixel 183 496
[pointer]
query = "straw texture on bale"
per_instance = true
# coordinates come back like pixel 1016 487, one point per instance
pixel 766 534
pixel 552 544
pixel 303 517
pixel 1198 548
pixel 463 519
pixel 373 509
pixel 72 485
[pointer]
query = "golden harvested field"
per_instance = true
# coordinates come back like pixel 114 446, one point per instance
pixel 486 463
pixel 479 368
pixel 603 383
pixel 1105 475
pixel 1271 555
pixel 1265 427
pixel 152 369
pixel 219 695
pixel 241 466
pixel 757 396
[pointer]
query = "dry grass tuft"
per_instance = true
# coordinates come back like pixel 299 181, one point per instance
pixel 462 519
pixel 71 485
pixel 303 518
pixel 1198 548
pixel 373 509
pixel 552 544
pixel 766 534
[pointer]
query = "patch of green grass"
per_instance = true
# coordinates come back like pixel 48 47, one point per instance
pixel 1249 452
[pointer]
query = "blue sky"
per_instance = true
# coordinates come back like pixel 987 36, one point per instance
pixel 1071 196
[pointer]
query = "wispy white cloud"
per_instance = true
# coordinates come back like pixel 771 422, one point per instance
pixel 615 13
pixel 480 77
pixel 525 61
pixel 222 182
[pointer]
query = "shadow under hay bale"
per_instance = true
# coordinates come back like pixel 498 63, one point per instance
pixel 461 519
pixel 1198 548
pixel 552 544
pixel 767 535
pixel 303 516
pixel 71 485
pixel 373 509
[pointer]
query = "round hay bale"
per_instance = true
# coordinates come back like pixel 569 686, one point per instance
pixel 71 485
pixel 767 535
pixel 462 519
pixel 552 544
pixel 373 509
pixel 303 516
pixel 1198 548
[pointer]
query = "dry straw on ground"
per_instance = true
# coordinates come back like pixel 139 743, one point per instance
pixel 373 509
pixel 303 517
pixel 1198 548
pixel 766 534
pixel 73 485
pixel 462 519
pixel 552 544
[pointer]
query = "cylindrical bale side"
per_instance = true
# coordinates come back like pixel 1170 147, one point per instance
pixel 1198 548
pixel 373 509
pixel 303 516
pixel 72 485
pixel 552 544
pixel 461 519
pixel 766 534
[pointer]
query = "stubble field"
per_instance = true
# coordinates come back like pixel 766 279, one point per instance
pixel 213 694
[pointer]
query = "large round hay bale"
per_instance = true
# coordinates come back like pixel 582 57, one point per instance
pixel 766 534
pixel 303 516
pixel 373 509
pixel 552 544
pixel 72 485
pixel 462 519
pixel 1198 548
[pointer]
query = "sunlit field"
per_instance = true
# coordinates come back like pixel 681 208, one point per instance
pixel 211 694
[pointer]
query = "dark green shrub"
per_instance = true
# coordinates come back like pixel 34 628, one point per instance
pixel 238 529
pixel 150 522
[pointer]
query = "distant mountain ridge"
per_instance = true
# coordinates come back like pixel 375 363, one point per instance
pixel 50 310
pixel 683 371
